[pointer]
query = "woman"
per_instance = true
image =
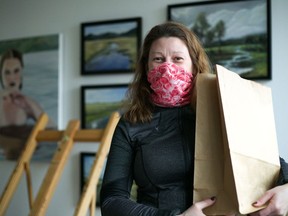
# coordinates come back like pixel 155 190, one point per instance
pixel 17 111
pixel 16 107
pixel 153 143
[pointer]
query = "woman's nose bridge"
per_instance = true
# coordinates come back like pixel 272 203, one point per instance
pixel 168 60
pixel 11 75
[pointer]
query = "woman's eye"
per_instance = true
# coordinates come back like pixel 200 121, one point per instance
pixel 7 72
pixel 178 59
pixel 158 59
pixel 17 70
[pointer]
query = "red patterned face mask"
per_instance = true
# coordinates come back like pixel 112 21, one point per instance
pixel 171 85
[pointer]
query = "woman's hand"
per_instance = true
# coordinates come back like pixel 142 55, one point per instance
pixel 196 208
pixel 31 108
pixel 21 101
pixel 276 200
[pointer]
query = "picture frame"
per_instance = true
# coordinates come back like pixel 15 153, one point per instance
pixel 110 46
pixel 86 162
pixel 98 102
pixel 235 34
pixel 38 62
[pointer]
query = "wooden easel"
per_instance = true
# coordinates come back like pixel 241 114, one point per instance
pixel 23 166
pixel 67 138
pixel 88 197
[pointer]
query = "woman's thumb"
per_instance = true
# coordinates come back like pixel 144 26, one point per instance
pixel 205 203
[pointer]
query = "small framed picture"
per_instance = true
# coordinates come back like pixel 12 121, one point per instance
pixel 110 46
pixel 86 163
pixel 235 34
pixel 99 102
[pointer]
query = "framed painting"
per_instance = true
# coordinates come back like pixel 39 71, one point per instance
pixel 110 46
pixel 86 162
pixel 235 34
pixel 98 103
pixel 29 86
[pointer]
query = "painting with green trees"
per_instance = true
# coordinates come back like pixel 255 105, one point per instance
pixel 235 34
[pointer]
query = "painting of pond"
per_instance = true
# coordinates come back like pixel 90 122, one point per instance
pixel 110 46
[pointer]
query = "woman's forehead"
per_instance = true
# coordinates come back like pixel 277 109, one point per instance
pixel 168 45
pixel 12 62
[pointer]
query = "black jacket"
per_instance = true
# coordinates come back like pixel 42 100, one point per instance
pixel 159 156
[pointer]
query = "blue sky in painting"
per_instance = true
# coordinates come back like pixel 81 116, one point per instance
pixel 241 18
pixel 102 95
pixel 110 27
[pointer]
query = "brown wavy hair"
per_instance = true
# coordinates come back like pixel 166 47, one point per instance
pixel 139 107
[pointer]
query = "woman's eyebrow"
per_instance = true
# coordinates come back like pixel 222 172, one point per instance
pixel 156 52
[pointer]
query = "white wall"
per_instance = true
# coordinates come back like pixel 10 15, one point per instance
pixel 33 17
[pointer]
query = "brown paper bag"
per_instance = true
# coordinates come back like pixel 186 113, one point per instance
pixel 236 152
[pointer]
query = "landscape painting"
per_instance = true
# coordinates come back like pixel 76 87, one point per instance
pixel 235 34
pixel 110 46
pixel 99 102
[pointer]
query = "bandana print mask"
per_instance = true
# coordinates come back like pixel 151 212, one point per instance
pixel 171 85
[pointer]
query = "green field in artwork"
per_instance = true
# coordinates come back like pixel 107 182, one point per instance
pixel 252 56
pixel 98 113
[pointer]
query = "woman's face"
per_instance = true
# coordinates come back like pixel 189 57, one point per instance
pixel 11 74
pixel 170 49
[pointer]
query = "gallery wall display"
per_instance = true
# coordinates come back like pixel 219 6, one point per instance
pixel 110 46
pixel 98 102
pixel 236 34
pixel 29 87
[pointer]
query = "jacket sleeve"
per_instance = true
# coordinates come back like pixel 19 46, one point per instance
pixel 118 178
pixel 283 176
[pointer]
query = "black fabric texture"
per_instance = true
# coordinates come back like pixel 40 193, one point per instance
pixel 159 157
